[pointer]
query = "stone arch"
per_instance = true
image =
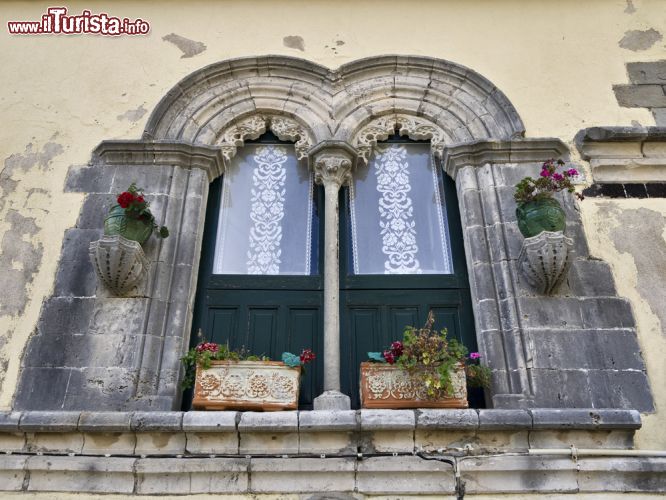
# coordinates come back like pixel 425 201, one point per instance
pixel 334 104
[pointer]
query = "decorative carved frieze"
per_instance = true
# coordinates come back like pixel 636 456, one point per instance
pixel 286 129
pixel 545 259
pixel 120 263
pixel 380 129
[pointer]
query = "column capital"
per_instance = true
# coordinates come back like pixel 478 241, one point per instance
pixel 332 162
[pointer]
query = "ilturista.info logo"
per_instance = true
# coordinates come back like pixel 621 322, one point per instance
pixel 56 21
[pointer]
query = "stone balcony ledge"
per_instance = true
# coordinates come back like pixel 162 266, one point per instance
pixel 320 421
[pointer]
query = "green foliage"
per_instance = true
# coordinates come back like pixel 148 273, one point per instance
pixel 205 352
pixel 549 182
pixel 430 356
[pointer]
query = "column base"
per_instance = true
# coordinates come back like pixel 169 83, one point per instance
pixel 332 400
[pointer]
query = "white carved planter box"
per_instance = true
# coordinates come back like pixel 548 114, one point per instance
pixel 389 386
pixel 247 385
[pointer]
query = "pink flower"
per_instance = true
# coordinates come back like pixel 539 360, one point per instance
pixel 545 173
pixel 474 355
pixel 572 172
pixel 558 177
pixel 389 357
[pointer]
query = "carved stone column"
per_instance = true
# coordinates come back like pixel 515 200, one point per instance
pixel 332 163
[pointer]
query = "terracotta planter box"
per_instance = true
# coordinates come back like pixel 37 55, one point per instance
pixel 247 385
pixel 388 386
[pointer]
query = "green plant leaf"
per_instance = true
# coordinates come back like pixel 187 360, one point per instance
pixel 290 359
pixel 376 356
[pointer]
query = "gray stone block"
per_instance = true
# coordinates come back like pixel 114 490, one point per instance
pixel 81 474
pixel 490 420
pixel 591 278
pixel 302 475
pixel 210 421
pixel 118 315
pixel 622 474
pixel 42 388
pixel 588 418
pixel 49 421
pixel 607 313
pixel 283 421
pixel 482 281
pixel 471 213
pixel 405 475
pixel 9 421
pixel 86 179
pixel 621 389
pixel 659 116
pixel 169 476
pixel 94 210
pixel 518 474
pixel 561 388
pixel 387 420
pixel 100 388
pixel 75 279
pixel 154 179
pixel 593 349
pixel 550 312
pixel 79 351
pixel 640 96
pixel 96 421
pixel 447 419
pixel 647 72
pixel 157 421
pixel 323 421
pixel 65 315
pixel 477 246
pixel 12 473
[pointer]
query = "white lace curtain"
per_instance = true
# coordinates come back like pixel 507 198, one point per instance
pixel 398 219
pixel 265 220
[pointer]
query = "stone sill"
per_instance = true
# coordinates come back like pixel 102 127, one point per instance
pixel 320 421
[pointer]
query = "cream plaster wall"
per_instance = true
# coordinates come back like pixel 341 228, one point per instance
pixel 630 235
pixel 61 95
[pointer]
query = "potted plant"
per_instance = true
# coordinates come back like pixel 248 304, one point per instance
pixel 425 370
pixel 131 218
pixel 226 379
pixel 537 210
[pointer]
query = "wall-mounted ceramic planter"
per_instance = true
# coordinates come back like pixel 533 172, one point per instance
pixel 120 264
pixel 389 386
pixel 247 385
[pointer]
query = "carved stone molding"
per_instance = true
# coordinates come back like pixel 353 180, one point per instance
pixel 413 127
pixel 544 260
pixel 332 163
pixel 286 129
pixel 120 264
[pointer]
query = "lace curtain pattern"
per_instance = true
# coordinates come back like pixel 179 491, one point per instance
pixel 265 221
pixel 397 214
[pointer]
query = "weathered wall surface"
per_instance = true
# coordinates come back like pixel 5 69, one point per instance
pixel 629 235
pixel 62 95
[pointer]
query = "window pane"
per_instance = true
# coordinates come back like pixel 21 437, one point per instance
pixel 398 220
pixel 266 214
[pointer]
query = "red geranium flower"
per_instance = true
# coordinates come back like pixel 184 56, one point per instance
pixel 125 198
